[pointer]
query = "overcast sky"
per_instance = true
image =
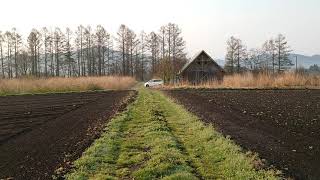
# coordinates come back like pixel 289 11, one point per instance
pixel 206 24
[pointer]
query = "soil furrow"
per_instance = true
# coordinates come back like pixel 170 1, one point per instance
pixel 280 125
pixel 56 142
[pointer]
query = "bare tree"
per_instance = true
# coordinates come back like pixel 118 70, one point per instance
pixel 101 40
pixel 68 52
pixel 8 39
pixel 131 44
pixel 283 50
pixel 143 37
pixel 177 47
pixel 236 54
pixel 89 52
pixel 53 53
pixel 231 54
pixel 46 42
pixel 154 48
pixel 269 51
pixel 172 48
pixel 23 60
pixel 162 38
pixel 254 59
pixel 241 54
pixel 79 45
pixel 1 54
pixel 17 41
pixel 110 51
pixel 121 39
pixel 34 42
pixel 59 41
pixel 169 39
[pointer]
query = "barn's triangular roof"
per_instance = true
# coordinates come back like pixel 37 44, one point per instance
pixel 195 57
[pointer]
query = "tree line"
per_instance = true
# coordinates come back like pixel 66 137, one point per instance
pixel 272 57
pixel 92 52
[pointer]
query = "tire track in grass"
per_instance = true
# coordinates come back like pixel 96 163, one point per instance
pixel 159 114
pixel 150 150
pixel 158 139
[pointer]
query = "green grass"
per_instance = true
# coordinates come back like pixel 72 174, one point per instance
pixel 158 139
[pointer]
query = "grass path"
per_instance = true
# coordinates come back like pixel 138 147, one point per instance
pixel 158 139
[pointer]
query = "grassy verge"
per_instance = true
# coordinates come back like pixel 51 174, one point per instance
pixel 158 139
pixel 59 84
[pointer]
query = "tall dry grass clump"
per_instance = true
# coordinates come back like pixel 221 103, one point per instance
pixel 262 80
pixel 60 84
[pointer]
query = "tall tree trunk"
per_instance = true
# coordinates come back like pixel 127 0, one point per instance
pixel 8 56
pixel 103 63
pixel 99 61
pixel 108 56
pixel 8 46
pixel 45 56
pixel 163 44
pixel 169 43
pixel 69 55
pixel 78 64
pixel 123 58
pixel 131 61
pixel 238 61
pixel 273 57
pixel 81 54
pixel 57 60
pixel 88 59
pixel 45 61
pixel 2 65
pixel 279 59
pixel 39 67
pixel 35 61
pixel 52 60
pixel 15 59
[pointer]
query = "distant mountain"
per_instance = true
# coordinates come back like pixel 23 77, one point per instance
pixel 316 56
pixel 304 61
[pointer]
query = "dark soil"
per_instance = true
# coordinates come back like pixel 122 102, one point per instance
pixel 40 135
pixel 282 126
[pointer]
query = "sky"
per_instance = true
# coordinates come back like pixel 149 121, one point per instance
pixel 206 24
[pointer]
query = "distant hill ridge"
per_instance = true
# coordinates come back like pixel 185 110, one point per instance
pixel 303 60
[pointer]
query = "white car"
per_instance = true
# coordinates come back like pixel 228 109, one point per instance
pixel 153 82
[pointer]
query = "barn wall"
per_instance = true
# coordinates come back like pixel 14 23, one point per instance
pixel 198 72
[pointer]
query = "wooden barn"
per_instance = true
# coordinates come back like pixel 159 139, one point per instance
pixel 201 69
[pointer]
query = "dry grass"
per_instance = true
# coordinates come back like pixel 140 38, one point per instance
pixel 248 80
pixel 59 84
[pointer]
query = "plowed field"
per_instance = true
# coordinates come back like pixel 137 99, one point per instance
pixel 282 126
pixel 41 134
